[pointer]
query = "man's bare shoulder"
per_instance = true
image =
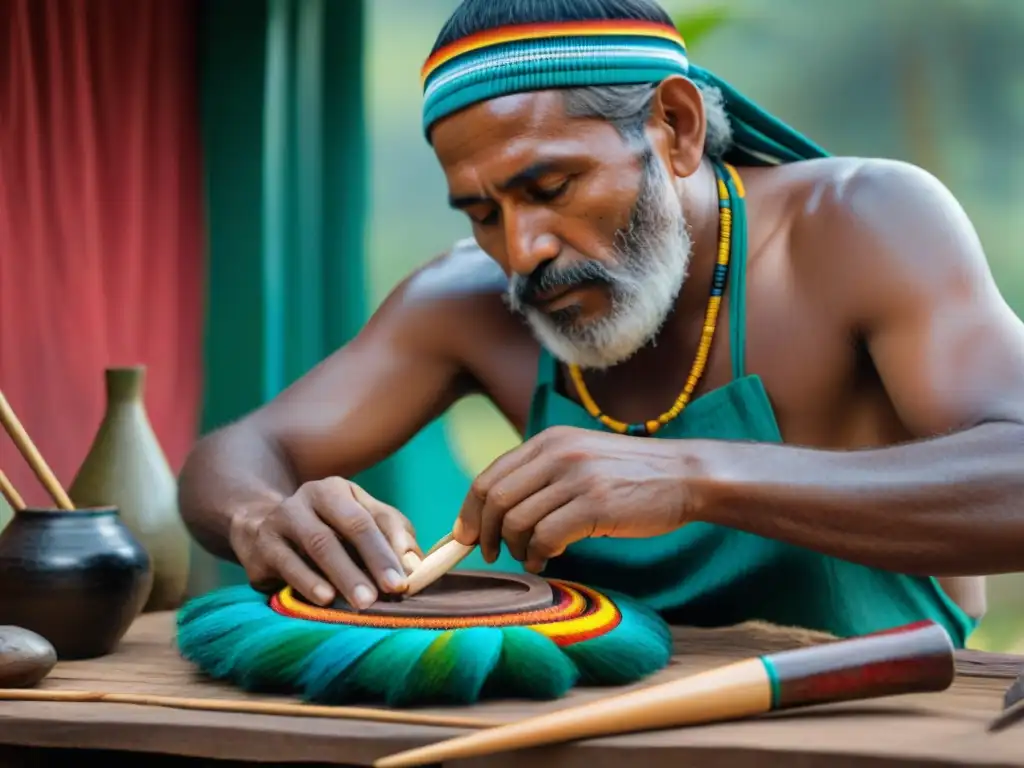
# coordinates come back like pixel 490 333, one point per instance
pixel 449 305
pixel 860 229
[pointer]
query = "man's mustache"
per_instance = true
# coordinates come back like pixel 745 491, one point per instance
pixel 547 278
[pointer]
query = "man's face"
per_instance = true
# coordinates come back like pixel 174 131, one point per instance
pixel 587 225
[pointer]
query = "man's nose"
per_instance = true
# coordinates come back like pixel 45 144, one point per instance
pixel 529 242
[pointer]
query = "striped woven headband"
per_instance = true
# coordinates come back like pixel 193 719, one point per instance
pixel 533 57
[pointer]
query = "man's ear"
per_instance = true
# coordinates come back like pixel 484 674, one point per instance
pixel 677 124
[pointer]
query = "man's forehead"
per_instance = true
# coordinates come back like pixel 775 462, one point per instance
pixel 499 121
pixel 516 131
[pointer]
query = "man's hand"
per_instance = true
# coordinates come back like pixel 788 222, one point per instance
pixel 568 484
pixel 318 525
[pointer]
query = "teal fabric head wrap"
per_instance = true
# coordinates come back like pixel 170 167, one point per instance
pixel 533 57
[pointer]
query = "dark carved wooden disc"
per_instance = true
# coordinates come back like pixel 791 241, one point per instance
pixel 467 593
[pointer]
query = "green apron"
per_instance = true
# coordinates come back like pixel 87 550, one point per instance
pixel 708 575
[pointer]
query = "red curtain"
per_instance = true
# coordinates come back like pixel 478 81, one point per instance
pixel 100 220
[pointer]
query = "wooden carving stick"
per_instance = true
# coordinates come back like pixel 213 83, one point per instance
pixel 441 558
pixel 9 492
pixel 27 449
pixel 441 542
pixel 912 659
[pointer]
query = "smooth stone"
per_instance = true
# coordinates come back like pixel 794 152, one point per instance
pixel 25 657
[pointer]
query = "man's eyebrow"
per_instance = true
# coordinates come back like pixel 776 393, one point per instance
pixel 526 176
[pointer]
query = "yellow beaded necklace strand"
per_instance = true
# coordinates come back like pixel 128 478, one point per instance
pixel 707 334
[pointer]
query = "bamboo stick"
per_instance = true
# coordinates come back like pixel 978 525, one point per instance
pixel 282 709
pixel 9 492
pixel 28 450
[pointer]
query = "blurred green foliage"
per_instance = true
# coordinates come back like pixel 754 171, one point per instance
pixel 694 26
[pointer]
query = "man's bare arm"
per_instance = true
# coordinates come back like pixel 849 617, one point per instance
pixel 351 411
pixel 911 273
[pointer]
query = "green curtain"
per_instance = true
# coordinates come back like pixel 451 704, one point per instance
pixel 284 154
pixel 285 170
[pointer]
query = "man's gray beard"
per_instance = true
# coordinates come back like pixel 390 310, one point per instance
pixel 651 255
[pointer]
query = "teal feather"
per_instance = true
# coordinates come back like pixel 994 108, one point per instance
pixel 208 640
pixel 233 634
pixel 219 598
pixel 271 657
pixel 380 673
pixel 329 668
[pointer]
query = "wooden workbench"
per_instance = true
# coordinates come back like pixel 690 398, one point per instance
pixel 946 729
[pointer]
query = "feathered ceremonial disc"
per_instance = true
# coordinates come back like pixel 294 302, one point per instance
pixel 470 636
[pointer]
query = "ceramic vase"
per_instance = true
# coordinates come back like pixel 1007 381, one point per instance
pixel 75 577
pixel 126 468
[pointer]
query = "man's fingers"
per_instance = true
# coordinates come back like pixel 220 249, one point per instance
pixel 321 544
pixel 411 561
pixel 395 526
pixel 359 545
pixel 519 523
pixel 467 528
pixel 360 530
pixel 566 525
pixel 397 534
pixel 276 553
pixel 515 488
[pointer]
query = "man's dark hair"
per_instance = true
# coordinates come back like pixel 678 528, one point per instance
pixel 627 107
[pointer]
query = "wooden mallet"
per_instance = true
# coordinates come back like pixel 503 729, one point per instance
pixel 913 659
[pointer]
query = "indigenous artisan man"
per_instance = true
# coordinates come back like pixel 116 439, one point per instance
pixel 753 381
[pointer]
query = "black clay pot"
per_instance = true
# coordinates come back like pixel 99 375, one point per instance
pixel 78 578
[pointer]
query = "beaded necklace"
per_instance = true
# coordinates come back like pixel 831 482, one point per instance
pixel 707 334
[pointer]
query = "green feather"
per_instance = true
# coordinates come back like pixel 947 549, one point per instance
pixel 531 666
